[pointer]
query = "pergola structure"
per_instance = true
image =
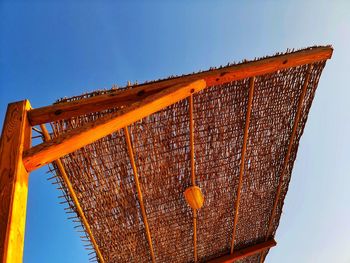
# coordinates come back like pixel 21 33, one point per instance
pixel 124 157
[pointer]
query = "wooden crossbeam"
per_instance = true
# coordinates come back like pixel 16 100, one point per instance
pixel 213 77
pixel 15 138
pixel 241 168
pixel 287 157
pixel 245 252
pixel 47 152
pixel 74 197
pixel 139 193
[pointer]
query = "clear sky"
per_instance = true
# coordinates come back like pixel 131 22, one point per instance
pixel 53 49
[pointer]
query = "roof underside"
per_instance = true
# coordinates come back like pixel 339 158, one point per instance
pixel 103 179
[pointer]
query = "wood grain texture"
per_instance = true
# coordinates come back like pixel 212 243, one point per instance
pixel 245 252
pixel 15 138
pixel 47 152
pixel 212 77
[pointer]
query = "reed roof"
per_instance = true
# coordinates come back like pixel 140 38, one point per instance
pixel 103 178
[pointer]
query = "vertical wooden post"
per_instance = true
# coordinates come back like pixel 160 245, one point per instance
pixel 15 138
pixel 193 176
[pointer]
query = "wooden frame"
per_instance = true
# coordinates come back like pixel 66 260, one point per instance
pixel 18 158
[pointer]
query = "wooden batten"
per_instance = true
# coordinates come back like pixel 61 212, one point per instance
pixel 49 151
pixel 242 164
pixel 219 76
pixel 74 197
pixel 139 192
pixel 15 138
pixel 193 180
pixel 287 157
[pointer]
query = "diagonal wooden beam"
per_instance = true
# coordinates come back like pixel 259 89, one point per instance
pixel 73 140
pixel 241 168
pixel 289 151
pixel 139 193
pixel 16 137
pixel 245 252
pixel 219 76
pixel 74 197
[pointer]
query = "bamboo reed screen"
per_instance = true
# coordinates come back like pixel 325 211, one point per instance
pixel 103 180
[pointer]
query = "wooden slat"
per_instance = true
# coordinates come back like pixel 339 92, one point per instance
pixel 287 157
pixel 72 140
pixel 193 172
pixel 16 137
pixel 139 193
pixel 213 77
pixel 193 176
pixel 245 252
pixel 241 168
pixel 74 197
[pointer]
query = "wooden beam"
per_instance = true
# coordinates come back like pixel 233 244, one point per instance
pixel 193 176
pixel 289 151
pixel 241 168
pixel 74 197
pixel 15 138
pixel 193 172
pixel 73 140
pixel 139 193
pixel 117 98
pixel 245 252
pixel 219 76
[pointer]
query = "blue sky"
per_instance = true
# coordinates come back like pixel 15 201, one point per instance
pixel 54 49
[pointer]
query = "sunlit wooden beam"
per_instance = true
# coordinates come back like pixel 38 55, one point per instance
pixel 15 138
pixel 219 76
pixel 72 140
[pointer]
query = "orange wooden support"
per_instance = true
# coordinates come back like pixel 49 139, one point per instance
pixel 47 152
pixel 15 138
